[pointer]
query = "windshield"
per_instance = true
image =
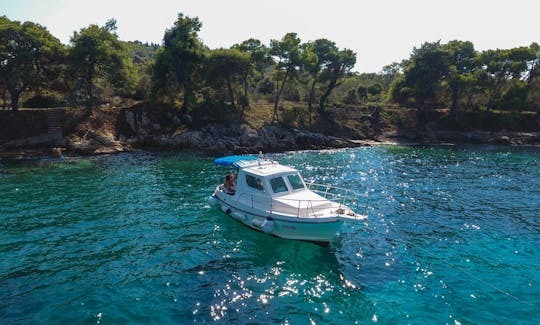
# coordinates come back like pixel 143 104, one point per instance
pixel 278 185
pixel 295 181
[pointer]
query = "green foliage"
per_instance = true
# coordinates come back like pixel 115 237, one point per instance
pixel 425 71
pixel 400 93
pixel 340 65
pixel 515 98
pixel 45 99
pixel 143 56
pixel 461 66
pixel 225 69
pixel 29 57
pixel 292 92
pixel 288 57
pixel 325 65
pixel 178 60
pixel 456 75
pixel 295 116
pixel 318 56
pixel 215 84
pixel 265 86
pixel 97 54
pixel 502 66
pixel 259 61
pixel 352 98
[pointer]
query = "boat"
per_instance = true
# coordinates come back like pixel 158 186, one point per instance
pixel 274 199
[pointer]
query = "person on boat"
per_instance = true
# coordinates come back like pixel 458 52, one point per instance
pixel 259 185
pixel 230 183
pixel 233 178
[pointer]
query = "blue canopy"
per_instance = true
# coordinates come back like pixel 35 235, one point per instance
pixel 231 160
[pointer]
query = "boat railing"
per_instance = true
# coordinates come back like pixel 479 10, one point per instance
pixel 309 207
pixel 345 197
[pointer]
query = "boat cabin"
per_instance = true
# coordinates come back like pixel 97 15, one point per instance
pixel 273 187
pixel 267 178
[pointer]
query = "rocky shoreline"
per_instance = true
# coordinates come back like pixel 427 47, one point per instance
pixel 130 130
pixel 224 140
pixel 211 139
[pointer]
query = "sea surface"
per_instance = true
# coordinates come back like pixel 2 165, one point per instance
pixel 452 237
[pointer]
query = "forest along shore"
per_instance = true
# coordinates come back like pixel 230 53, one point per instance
pixel 287 94
pixel 55 132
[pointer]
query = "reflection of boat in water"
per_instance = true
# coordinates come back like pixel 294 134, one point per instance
pixel 274 199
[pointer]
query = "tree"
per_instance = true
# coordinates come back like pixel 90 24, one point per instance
pixel 461 66
pixel 143 56
pixel 390 72
pixel 504 65
pixel 96 53
pixel 339 66
pixel 288 60
pixel 424 71
pixel 259 59
pixel 318 55
pixel 227 65
pixel 29 55
pixel 4 93
pixel 177 61
pixel 534 71
pixel 475 83
pixel 516 97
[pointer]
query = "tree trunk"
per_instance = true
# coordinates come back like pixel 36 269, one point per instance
pixel 494 91
pixel 14 95
pixel 278 95
pixel 90 92
pixel 311 97
pixel 530 82
pixel 89 84
pixel 469 101
pixel 490 100
pixel 4 98
pixel 186 99
pixel 454 99
pixel 231 93
pixel 324 97
pixel 180 74
pixel 246 88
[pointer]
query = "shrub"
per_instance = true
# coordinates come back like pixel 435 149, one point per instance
pixel 45 100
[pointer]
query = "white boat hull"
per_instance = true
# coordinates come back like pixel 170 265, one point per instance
pixel 322 230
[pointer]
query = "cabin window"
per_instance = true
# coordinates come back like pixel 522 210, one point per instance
pixel 278 185
pixel 254 182
pixel 295 181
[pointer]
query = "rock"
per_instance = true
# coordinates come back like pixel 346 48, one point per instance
pixel 145 121
pixel 56 152
pixel 176 120
pixel 104 139
pixel 311 140
pixel 187 119
pixel 500 140
pixel 249 137
pixel 130 120
pixel 94 143
pixel 191 139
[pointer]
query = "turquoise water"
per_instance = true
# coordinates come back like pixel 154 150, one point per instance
pixel 452 237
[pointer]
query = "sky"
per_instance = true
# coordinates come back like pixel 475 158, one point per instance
pixel 380 32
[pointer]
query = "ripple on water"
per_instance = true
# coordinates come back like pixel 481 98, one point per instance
pixel 451 238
